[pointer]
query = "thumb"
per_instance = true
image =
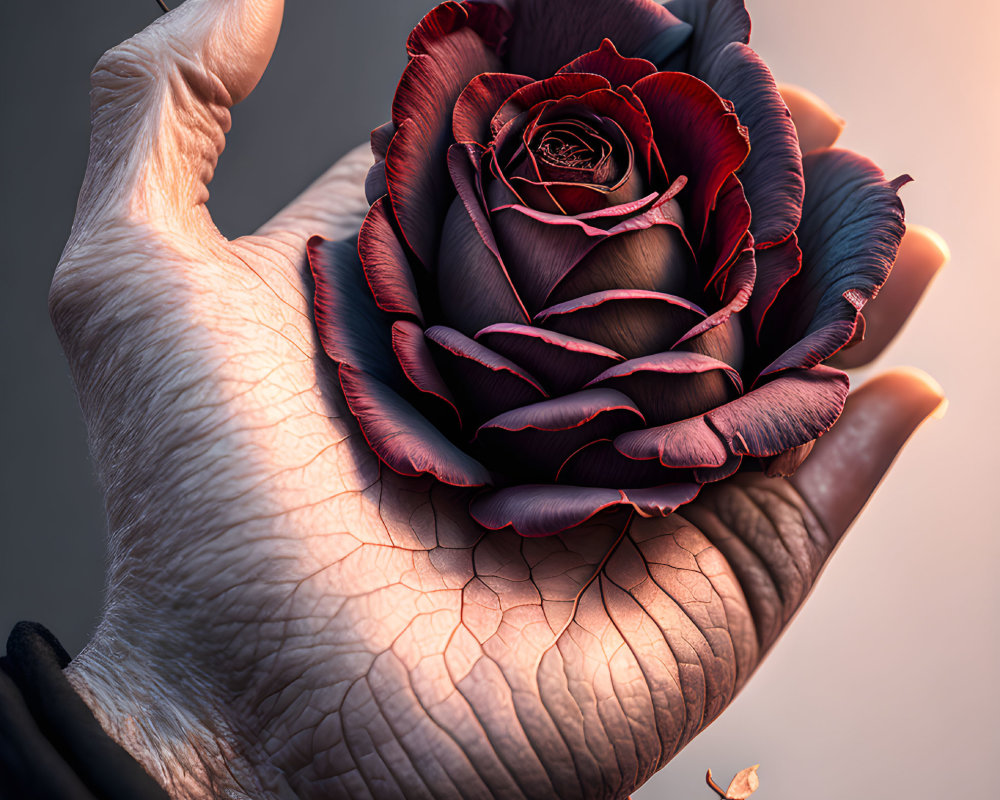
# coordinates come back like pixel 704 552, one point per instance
pixel 160 109
pixel 848 463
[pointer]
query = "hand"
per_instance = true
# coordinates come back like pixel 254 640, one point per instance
pixel 285 620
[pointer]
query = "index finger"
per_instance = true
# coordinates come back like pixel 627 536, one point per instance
pixel 160 110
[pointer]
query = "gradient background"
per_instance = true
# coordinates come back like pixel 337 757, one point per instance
pixel 887 684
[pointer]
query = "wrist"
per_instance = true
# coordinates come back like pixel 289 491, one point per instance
pixel 165 715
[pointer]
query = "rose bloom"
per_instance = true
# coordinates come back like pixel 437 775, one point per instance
pixel 597 270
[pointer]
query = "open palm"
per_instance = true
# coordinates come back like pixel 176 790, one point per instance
pixel 285 619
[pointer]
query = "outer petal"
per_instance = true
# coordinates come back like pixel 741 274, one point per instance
pixel 485 383
pixel 375 185
pixel 549 33
pixel 772 174
pixel 712 474
pixel 632 322
pixel 697 135
pixel 380 139
pixel 715 24
pixel 852 224
pixel 661 501
pixel 490 20
pixel 474 286
pixel 416 162
pixel 785 465
pixel 686 443
pixel 541 510
pixel 607 62
pixel 791 410
pixel 922 254
pixel 563 363
pixel 352 329
pixel 776 266
pixel 414 356
pixel 356 333
pixel 734 287
pixel 402 437
pixel 727 231
pixel 385 264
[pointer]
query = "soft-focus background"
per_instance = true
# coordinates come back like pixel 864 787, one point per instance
pixel 886 686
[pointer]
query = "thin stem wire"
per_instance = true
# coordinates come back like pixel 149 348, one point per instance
pixel 163 5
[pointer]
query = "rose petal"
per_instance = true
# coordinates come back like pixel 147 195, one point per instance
pixel 772 174
pixel 816 346
pixel 352 329
pixel 553 88
pixel 414 356
pixel 713 474
pixel 474 286
pixel 479 102
pixel 661 501
pixel 785 464
pixel 630 118
pixel 539 437
pixel 776 266
pixel 617 179
pixel 375 182
pixel 549 33
pixel 402 437
pixel 416 162
pixel 655 259
pixel 385 263
pixel 734 286
pixel 490 20
pixel 727 230
pixel 723 342
pixel 852 224
pixel 683 444
pixel 921 256
pixel 484 383
pixel 563 363
pixel 697 136
pixel 599 463
pixel 632 322
pixel 608 63
pixel 792 409
pixel 542 249
pixel 541 510
pixel 672 386
pixel 380 138
pixel 715 23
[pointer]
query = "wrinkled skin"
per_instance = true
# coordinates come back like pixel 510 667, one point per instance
pixel 285 621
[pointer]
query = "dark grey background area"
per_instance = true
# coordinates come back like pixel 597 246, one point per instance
pixel 886 684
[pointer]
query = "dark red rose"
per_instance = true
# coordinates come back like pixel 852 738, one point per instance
pixel 597 270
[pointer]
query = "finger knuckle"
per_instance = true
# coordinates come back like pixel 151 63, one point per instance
pixel 129 65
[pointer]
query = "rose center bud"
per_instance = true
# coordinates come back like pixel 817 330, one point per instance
pixel 571 151
pixel 570 160
pixel 578 149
